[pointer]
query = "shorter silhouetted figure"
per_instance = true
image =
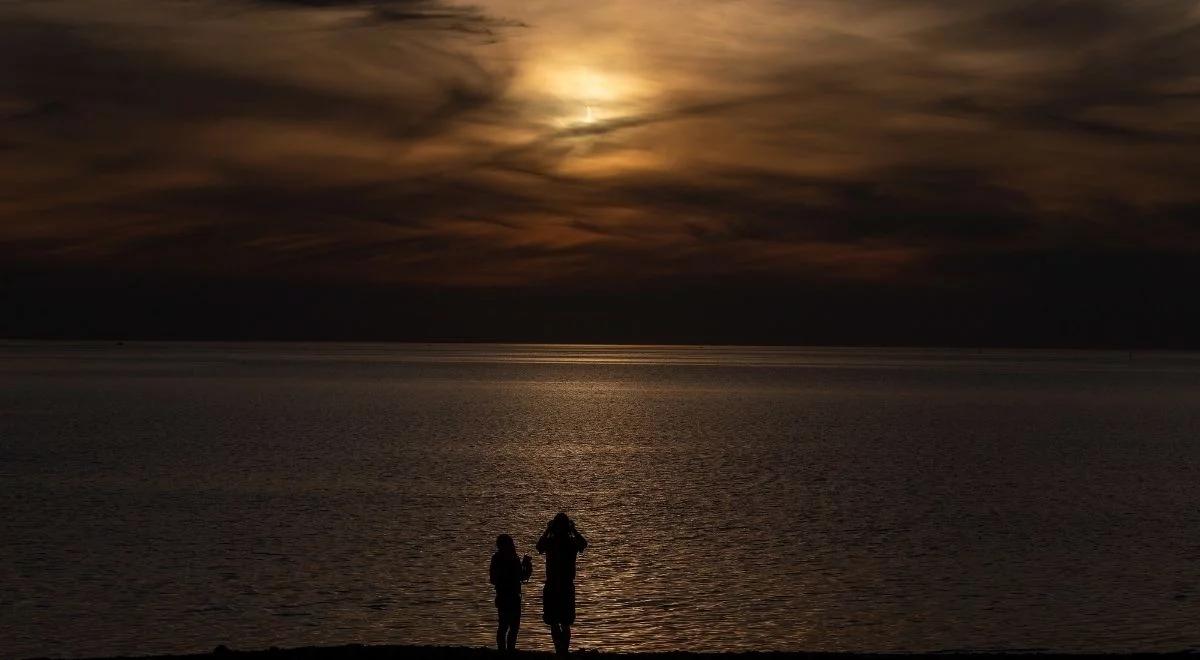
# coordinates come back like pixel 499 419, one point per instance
pixel 561 543
pixel 507 572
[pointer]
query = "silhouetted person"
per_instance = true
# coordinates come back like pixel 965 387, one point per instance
pixel 507 572
pixel 561 543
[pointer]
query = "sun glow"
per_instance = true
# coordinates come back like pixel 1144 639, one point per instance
pixel 567 89
pixel 598 91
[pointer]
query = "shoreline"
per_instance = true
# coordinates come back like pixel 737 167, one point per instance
pixel 414 652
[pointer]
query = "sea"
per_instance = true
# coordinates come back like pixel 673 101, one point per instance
pixel 172 497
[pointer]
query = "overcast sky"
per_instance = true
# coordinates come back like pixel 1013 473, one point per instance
pixel 526 146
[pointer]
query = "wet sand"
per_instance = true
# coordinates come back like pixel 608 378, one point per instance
pixel 361 652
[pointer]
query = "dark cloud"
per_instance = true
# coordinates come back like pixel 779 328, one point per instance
pixel 96 119
pixel 1060 25
pixel 434 14
pixel 932 206
pixel 1084 55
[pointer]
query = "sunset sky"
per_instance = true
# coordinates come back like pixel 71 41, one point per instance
pixel 878 171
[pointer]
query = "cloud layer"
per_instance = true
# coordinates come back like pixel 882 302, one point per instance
pixel 603 145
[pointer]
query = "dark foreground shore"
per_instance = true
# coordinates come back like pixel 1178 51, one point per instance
pixel 360 652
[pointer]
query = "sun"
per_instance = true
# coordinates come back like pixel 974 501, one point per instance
pixel 599 92
pixel 593 86
pixel 583 94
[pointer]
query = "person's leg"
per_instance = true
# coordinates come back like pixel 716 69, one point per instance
pixel 568 614
pixel 510 618
pixel 511 644
pixel 556 635
pixel 550 614
pixel 501 622
pixel 514 627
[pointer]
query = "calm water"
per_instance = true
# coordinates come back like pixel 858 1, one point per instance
pixel 168 497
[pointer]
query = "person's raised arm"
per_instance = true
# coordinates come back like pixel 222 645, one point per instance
pixel 544 542
pixel 580 542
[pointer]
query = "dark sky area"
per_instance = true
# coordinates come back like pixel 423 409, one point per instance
pixel 993 172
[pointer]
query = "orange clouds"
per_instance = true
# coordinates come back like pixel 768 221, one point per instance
pixel 414 142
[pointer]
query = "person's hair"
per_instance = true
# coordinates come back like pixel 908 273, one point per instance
pixel 504 543
pixel 561 523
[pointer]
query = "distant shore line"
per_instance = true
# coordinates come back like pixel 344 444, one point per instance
pixel 402 652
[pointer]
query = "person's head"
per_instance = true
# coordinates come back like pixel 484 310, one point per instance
pixel 561 523
pixel 505 545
